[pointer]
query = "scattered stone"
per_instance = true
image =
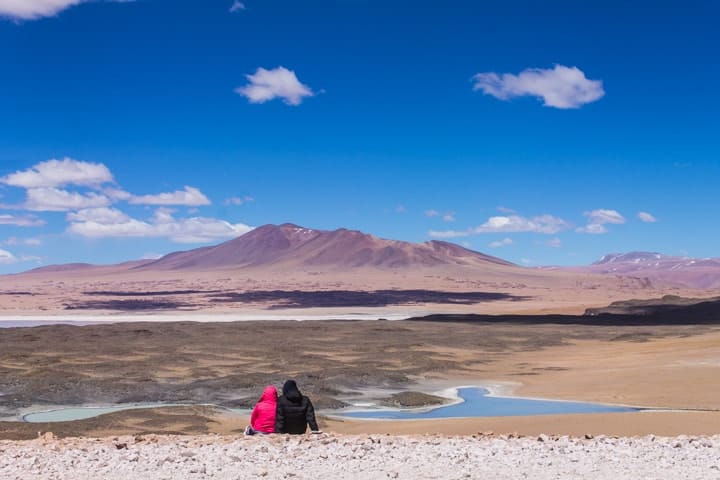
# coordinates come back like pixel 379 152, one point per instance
pixel 351 457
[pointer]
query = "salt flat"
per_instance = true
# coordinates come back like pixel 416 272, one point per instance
pixel 94 318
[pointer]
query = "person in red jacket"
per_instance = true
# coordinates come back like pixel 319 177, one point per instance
pixel 262 419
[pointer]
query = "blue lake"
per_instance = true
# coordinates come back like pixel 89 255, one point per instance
pixel 477 403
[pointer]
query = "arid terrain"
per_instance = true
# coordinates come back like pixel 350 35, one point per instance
pixel 598 334
pixel 663 362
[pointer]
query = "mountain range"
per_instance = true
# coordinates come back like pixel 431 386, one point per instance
pixel 701 273
pixel 291 248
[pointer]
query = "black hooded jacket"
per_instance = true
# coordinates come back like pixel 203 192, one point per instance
pixel 294 411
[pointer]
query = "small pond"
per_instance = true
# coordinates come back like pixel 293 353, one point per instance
pixel 81 413
pixel 477 403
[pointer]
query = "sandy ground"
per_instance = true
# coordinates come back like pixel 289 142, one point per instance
pixel 617 424
pixel 675 372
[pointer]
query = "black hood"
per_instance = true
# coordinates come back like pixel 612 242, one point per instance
pixel 291 391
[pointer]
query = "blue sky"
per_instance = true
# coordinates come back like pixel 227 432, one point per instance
pixel 534 131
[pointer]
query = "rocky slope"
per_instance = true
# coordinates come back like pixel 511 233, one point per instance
pixel 362 457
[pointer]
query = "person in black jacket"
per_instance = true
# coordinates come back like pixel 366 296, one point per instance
pixel 294 411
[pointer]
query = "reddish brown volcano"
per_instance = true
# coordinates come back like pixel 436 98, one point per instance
pixel 291 245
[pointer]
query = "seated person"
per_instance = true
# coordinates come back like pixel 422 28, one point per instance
pixel 294 411
pixel 262 418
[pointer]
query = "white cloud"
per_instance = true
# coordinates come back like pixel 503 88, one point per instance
pixel 55 173
pixel 98 229
pixel 501 243
pixel 21 221
pixel 57 200
pixel 104 223
pixel 237 6
pixel 515 223
pixel 200 230
pixel 559 87
pixel 597 220
pixel 592 228
pixel 450 233
pixel 190 197
pixel 647 217
pixel 602 216
pixel 164 215
pixel 117 193
pixel 33 9
pixel 100 215
pixel 400 209
pixel 447 216
pixel 554 243
pixel 503 209
pixel 7 258
pixel 33 242
pixel 547 224
pixel 90 213
pixel 279 82
pixel 238 200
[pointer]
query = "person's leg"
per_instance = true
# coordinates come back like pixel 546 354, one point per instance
pixel 249 430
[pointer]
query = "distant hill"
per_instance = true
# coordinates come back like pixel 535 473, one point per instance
pixel 85 267
pixel 291 245
pixel 657 267
pixel 62 268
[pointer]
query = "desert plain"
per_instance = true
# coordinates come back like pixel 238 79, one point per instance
pixel 667 365
pixel 401 329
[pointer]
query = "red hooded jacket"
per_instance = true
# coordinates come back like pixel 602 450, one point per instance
pixel 262 418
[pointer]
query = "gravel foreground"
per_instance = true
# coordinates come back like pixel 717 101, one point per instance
pixel 330 456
